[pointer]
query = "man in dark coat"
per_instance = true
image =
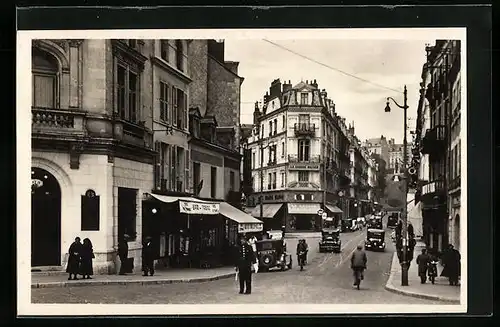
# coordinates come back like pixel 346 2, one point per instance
pixel 148 257
pixel 423 261
pixel 244 259
pixel 123 253
pixel 358 264
pixel 74 259
pixel 451 263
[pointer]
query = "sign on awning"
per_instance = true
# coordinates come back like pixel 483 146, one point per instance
pixel 249 227
pixel 197 208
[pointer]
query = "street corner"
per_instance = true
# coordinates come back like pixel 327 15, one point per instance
pixel 415 289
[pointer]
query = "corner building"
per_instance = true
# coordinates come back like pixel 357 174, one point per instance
pixel 92 147
pixel 299 157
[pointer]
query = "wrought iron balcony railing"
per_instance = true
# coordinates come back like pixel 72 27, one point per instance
pixel 434 141
pixel 304 129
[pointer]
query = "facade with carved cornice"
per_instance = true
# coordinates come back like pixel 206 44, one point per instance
pixel 299 157
pixel 93 141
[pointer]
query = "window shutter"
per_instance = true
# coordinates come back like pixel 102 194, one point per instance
pixel 186 112
pixel 174 106
pixel 162 101
pixel 169 103
pixel 157 167
pixel 187 173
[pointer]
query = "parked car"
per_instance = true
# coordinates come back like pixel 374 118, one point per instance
pixel 272 253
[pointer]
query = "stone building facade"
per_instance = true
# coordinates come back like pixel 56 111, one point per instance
pixel 299 157
pixel 92 147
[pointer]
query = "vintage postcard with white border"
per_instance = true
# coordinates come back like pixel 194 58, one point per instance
pixel 242 171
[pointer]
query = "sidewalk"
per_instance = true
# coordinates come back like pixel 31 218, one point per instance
pixel 441 290
pixel 161 277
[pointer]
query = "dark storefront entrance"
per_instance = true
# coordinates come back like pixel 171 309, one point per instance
pixel 45 219
pixel 303 217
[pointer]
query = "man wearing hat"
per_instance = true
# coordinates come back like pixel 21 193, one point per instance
pixel 148 257
pixel 244 260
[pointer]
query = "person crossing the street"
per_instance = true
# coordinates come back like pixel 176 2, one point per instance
pixel 358 265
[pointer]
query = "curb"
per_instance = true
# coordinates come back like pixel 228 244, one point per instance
pixel 396 290
pixel 127 282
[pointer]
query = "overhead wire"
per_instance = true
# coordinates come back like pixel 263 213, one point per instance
pixel 331 67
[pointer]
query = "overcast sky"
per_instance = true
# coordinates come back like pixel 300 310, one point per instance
pixel 390 63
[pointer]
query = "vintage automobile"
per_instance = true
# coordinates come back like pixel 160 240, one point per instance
pixel 375 223
pixel 392 219
pixel 375 239
pixel 272 253
pixel 349 225
pixel 330 240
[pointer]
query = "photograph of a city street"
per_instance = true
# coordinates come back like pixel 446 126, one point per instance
pixel 247 170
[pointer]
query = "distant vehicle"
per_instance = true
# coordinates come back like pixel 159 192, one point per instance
pixel 272 253
pixel 330 240
pixel 375 239
pixel 392 219
pixel 349 225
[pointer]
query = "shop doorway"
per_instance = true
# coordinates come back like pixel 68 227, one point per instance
pixel 45 219
pixel 305 223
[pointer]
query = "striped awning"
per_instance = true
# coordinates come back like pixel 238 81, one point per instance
pixel 269 210
pixel 333 209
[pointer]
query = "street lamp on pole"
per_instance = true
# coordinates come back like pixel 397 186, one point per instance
pixel 404 232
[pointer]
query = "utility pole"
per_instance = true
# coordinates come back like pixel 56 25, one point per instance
pixel 404 232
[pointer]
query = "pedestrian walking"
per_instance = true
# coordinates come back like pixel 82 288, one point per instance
pixel 86 269
pixel 451 262
pixel 74 258
pixel 148 257
pixel 423 261
pixel 358 265
pixel 123 253
pixel 244 260
pixel 252 241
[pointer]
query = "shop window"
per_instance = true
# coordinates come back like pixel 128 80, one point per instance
pixel 90 211
pixel 127 212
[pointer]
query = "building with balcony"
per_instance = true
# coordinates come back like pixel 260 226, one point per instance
pixel 359 187
pixel 378 146
pixel 396 156
pixel 195 219
pixel 92 147
pixel 438 139
pixel 298 157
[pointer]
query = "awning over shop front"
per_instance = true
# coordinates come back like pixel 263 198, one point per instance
pixel 416 219
pixel 303 208
pixel 190 205
pixel 246 223
pixel 333 209
pixel 269 210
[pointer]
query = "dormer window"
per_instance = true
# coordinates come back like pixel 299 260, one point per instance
pixel 304 98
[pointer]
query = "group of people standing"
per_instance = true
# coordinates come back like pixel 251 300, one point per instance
pixel 451 262
pixel 80 257
pixel 148 256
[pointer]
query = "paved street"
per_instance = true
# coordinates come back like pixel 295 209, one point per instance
pixel 327 279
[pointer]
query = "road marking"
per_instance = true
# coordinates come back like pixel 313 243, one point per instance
pixel 344 259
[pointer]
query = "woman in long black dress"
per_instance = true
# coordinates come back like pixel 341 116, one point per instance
pixel 87 255
pixel 75 252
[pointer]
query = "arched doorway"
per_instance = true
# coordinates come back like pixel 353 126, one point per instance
pixel 45 219
pixel 457 232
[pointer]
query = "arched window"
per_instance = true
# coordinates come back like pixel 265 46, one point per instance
pixel 44 70
pixel 179 53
